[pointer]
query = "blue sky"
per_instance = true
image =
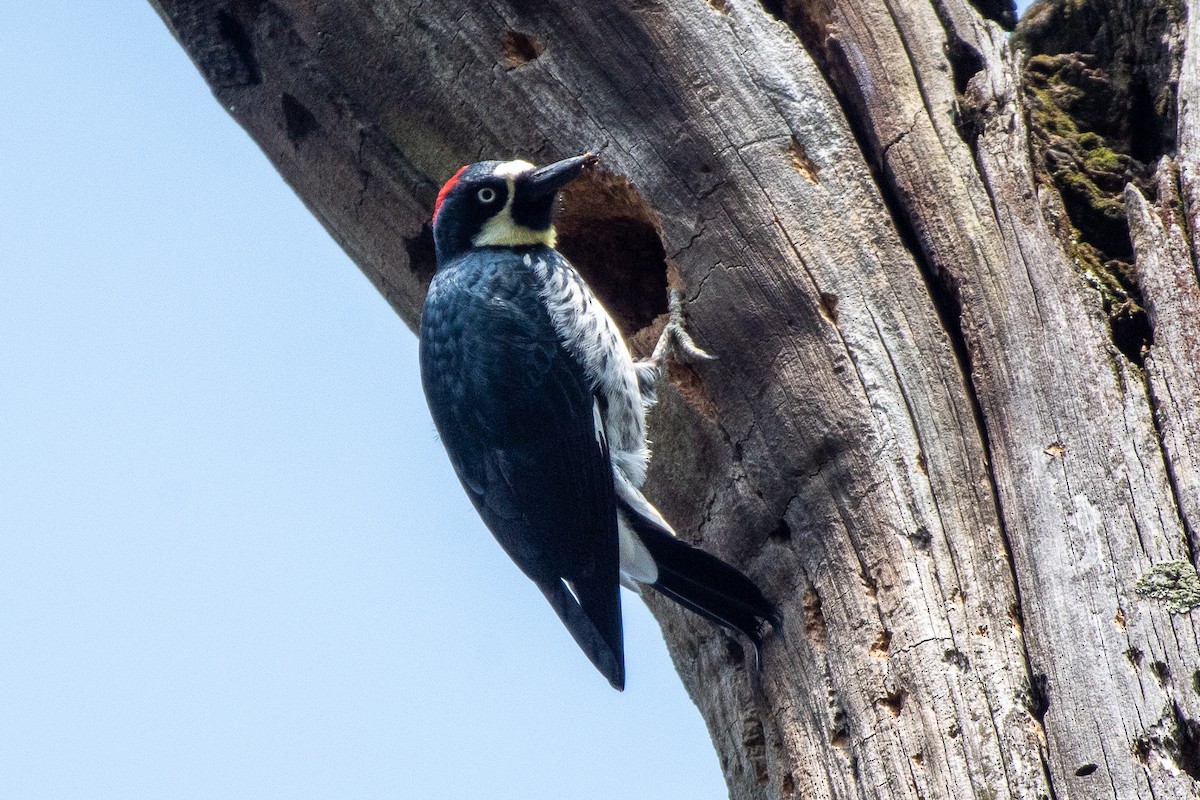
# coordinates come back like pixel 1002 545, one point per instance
pixel 234 561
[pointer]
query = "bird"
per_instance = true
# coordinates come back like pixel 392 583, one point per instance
pixel 542 411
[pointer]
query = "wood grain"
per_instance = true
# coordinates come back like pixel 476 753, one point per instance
pixel 919 436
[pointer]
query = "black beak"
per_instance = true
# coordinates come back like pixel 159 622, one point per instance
pixel 545 182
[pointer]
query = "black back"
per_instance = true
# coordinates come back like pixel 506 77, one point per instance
pixel 515 412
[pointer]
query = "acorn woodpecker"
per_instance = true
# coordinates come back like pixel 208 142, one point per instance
pixel 541 409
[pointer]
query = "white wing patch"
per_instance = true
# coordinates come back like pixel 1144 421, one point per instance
pixel 598 422
pixel 589 333
pixel 639 504
pixel 637 565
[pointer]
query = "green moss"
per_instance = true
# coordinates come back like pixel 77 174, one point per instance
pixel 1174 582
pixel 1105 277
pixel 1092 123
pixel 1040 64
pixel 1100 158
pixel 1049 115
pixel 1087 257
pixel 1084 189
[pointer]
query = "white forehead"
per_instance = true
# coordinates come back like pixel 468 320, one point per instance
pixel 511 169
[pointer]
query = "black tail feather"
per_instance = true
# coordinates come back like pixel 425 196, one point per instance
pixel 594 620
pixel 706 585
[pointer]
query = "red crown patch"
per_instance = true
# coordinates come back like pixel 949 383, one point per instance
pixel 446 190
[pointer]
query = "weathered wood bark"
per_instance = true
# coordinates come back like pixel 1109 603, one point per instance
pixel 972 501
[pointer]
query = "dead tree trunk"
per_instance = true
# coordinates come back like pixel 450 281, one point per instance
pixel 955 425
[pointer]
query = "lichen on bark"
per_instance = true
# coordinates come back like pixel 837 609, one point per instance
pixel 1175 583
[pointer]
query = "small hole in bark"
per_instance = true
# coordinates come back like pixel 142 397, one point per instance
pixel 719 5
pixel 1147 142
pixel 1002 11
pixel 1038 700
pixel 870 588
pixel 1018 620
pixel 734 653
pixel 788 785
pixel 611 234
pixel 297 119
pixel 1175 737
pixel 1186 753
pixel 918 758
pixel 882 644
pixel 520 48
pixel 687 382
pixel 814 620
pixel 1160 671
pixel 1085 770
pixel 957 657
pixel 922 539
pixel 245 71
pixel 1131 332
pixel 1134 655
pixel 782 532
pixel 422 258
pixel 801 162
pixel 839 737
pixel 829 307
pixel 753 737
pixel 774 8
pixel 954 730
pixel 965 62
pixel 894 701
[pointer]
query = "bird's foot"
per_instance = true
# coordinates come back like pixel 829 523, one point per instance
pixel 675 340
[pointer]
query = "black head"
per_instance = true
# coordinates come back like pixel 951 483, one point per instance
pixel 501 203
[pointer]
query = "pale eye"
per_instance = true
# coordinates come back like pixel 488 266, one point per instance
pixel 486 195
